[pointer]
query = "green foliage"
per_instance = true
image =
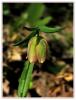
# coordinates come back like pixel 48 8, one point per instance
pixel 27 81
pixel 30 17
pixel 22 78
pixel 25 40
pixel 36 31
pixel 37 21
pixel 35 11
pixel 44 21
pixel 41 51
pixel 49 29
pixel 25 78
pixel 24 81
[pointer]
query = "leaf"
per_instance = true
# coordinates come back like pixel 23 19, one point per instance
pixel 24 81
pixel 25 40
pixel 22 78
pixel 35 11
pixel 26 64
pixel 44 21
pixel 49 29
pixel 28 78
pixel 29 29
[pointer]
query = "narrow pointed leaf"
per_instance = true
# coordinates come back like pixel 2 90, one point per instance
pixel 44 21
pixel 20 88
pixel 29 29
pixel 25 79
pixel 49 29
pixel 26 64
pixel 25 39
pixel 22 78
pixel 28 79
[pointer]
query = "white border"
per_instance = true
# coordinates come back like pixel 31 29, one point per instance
pixel 74 38
pixel 1 49
pixel 38 1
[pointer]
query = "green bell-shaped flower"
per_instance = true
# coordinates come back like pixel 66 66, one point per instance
pixel 41 50
pixel 31 52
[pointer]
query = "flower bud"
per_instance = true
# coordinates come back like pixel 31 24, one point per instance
pixel 31 53
pixel 41 50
